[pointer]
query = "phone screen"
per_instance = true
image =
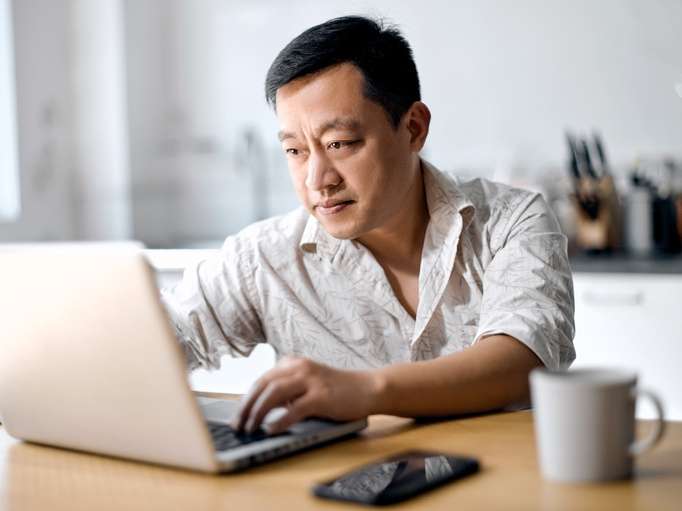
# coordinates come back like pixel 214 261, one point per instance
pixel 397 478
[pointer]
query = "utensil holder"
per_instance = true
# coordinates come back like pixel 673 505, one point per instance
pixel 602 233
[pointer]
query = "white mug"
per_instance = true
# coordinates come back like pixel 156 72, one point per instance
pixel 585 423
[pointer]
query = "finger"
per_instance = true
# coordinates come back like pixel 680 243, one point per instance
pixel 254 393
pixel 287 361
pixel 247 401
pixel 280 392
pixel 277 393
pixel 299 410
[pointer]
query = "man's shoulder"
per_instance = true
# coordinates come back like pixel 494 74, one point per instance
pixel 281 228
pixel 492 198
pixel 279 235
pixel 500 209
pixel 503 211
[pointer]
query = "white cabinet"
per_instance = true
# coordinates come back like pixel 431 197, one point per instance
pixel 633 321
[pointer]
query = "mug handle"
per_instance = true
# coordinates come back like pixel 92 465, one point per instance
pixel 640 446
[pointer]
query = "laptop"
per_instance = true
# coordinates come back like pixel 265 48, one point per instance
pixel 89 361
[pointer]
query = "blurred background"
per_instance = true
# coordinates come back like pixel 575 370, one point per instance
pixel 146 120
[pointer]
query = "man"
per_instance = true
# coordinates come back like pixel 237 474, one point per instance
pixel 396 288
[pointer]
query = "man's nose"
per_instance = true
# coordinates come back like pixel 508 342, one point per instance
pixel 321 173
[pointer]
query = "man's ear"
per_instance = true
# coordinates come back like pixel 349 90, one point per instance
pixel 417 121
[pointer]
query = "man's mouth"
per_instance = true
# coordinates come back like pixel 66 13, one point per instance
pixel 333 207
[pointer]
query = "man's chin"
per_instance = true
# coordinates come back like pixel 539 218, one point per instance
pixel 339 230
pixel 341 234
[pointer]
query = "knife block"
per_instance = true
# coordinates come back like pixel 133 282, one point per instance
pixel 600 234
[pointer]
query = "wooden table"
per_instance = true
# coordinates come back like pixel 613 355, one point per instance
pixel 41 478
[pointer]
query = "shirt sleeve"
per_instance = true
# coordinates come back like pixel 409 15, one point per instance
pixel 213 308
pixel 527 287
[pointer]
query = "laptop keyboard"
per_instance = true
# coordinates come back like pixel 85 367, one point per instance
pixel 225 437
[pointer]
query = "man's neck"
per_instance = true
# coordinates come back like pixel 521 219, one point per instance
pixel 398 244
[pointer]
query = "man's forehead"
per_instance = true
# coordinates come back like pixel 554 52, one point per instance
pixel 346 122
pixel 332 98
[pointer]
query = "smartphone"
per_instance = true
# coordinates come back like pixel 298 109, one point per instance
pixel 397 478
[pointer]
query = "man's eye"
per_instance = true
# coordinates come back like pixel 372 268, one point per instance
pixel 340 144
pixel 292 151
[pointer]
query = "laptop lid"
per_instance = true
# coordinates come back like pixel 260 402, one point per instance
pixel 89 360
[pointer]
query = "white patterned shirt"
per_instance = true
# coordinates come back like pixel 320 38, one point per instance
pixel 493 262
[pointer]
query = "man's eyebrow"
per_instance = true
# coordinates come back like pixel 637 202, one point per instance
pixel 283 135
pixel 339 123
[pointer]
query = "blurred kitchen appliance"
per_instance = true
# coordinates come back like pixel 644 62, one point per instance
pixel 638 219
pixel 653 208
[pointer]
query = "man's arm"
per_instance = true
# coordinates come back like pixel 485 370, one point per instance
pixel 490 374
pixel 213 308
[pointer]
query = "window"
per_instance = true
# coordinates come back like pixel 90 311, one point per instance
pixel 9 168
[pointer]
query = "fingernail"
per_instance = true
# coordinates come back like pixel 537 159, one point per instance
pixel 250 426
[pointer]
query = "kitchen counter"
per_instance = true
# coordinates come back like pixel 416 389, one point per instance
pixel 622 263
pixel 177 260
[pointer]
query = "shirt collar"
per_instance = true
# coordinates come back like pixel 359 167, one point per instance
pixel 443 198
pixel 316 240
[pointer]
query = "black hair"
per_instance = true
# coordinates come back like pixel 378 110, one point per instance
pixel 381 53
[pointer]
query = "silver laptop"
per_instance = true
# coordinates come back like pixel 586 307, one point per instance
pixel 89 361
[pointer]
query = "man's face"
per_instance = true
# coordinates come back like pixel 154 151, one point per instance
pixel 351 168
